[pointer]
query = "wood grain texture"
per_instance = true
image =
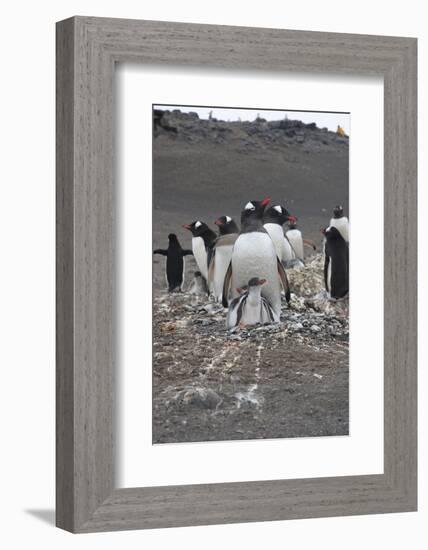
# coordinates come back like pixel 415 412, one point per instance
pixel 87 49
pixel 64 277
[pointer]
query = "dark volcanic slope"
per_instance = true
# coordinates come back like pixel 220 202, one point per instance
pixel 203 169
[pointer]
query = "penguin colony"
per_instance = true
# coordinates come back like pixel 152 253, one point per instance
pixel 245 269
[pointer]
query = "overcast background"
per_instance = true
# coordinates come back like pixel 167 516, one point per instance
pixel 327 120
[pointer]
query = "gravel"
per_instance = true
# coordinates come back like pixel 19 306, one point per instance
pixel 279 380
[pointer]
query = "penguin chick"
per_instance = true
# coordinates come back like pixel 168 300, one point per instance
pixel 250 307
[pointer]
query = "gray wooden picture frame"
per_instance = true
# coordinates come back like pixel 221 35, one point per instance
pixel 87 50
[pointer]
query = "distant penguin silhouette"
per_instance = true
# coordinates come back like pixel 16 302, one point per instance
pixel 202 241
pixel 221 254
pixel 254 255
pixel 273 220
pixel 336 263
pixel 250 307
pixel 340 222
pixel 174 272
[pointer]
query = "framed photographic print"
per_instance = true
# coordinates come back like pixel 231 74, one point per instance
pixel 224 353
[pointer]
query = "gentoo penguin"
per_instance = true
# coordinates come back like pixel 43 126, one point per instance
pixel 221 254
pixel 202 241
pixel 250 307
pixel 198 286
pixel 273 220
pixel 340 222
pixel 254 255
pixel 336 263
pixel 226 225
pixel 294 236
pixel 174 262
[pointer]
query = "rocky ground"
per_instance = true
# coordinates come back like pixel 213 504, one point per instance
pixel 272 381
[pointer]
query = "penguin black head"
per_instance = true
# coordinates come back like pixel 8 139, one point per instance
pixel 226 225
pixel 255 281
pixel 292 225
pixel 278 214
pixel 172 237
pixel 252 214
pixel 338 212
pixel 197 228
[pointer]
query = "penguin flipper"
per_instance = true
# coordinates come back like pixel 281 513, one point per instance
pixel 307 242
pixel 161 252
pixel 211 267
pixel 267 315
pixel 210 255
pixel 226 285
pixel 284 279
pixel 326 262
pixel 187 252
pixel 232 314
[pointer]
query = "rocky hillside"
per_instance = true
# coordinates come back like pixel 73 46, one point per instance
pixel 246 135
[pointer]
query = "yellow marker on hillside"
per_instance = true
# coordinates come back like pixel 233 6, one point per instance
pixel 340 131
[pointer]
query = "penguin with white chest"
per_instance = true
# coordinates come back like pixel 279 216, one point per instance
pixel 174 273
pixel 273 220
pixel 250 307
pixel 340 222
pixel 336 263
pixel 221 254
pixel 202 241
pixel 297 242
pixel 254 255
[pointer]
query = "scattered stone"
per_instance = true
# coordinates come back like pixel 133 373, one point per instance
pixel 198 397
pixel 211 308
pixel 249 397
pixel 168 327
pixel 161 355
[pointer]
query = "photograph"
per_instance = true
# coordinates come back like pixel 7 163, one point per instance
pixel 250 222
